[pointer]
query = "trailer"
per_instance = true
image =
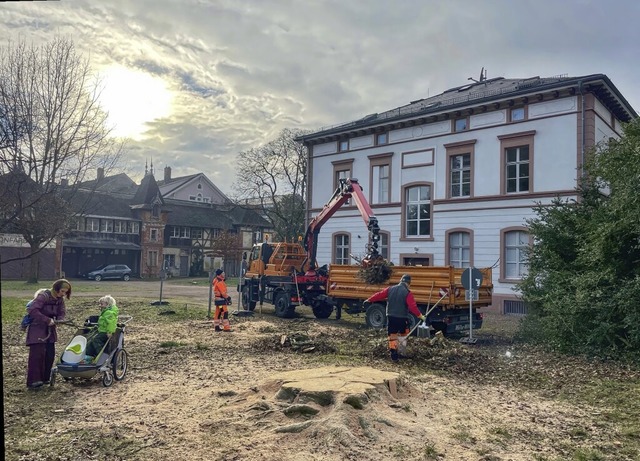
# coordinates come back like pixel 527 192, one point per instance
pixel 438 291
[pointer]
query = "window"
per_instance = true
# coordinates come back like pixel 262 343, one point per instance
pixel 417 211
pixel 380 178
pixel 383 245
pixel 120 227
pixel 93 224
pixel 197 233
pixel 342 170
pixel 342 174
pixel 192 198
pixel 461 124
pixel 460 168
pixel 106 225
pixel 343 145
pixel 199 197
pixel 382 138
pixel 460 175
pixel 185 232
pixel 169 261
pixel 199 186
pixel 133 227
pixel 153 235
pixel 459 249
pixel 342 249
pixel 517 163
pixel 175 231
pixel 152 258
pixel 517 114
pixel 517 169
pixel 516 243
pixel 79 224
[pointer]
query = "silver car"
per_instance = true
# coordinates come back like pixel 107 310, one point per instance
pixel 110 271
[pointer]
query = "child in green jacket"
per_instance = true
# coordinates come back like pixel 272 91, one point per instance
pixel 107 324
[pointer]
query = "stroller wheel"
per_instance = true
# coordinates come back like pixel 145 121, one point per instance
pixel 120 364
pixel 107 379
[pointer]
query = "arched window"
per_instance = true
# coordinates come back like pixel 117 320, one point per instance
pixel 341 248
pixel 417 211
pixel 459 248
pixel 514 242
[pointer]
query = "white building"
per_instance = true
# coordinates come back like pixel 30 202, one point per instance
pixel 453 178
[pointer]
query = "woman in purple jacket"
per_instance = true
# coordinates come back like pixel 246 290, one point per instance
pixel 41 335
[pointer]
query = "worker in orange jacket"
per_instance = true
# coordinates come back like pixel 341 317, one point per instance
pixel 222 300
pixel 400 302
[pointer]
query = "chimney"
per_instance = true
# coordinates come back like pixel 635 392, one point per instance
pixel 100 174
pixel 167 173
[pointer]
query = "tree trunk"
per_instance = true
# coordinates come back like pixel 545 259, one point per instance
pixel 34 270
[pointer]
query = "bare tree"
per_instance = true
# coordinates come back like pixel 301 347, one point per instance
pixel 228 245
pixel 275 175
pixel 53 137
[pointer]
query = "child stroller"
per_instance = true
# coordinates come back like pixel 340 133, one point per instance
pixel 112 361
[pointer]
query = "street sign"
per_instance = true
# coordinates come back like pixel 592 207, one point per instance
pixel 471 295
pixel 471 278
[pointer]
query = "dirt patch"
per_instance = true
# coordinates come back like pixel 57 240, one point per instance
pixel 193 394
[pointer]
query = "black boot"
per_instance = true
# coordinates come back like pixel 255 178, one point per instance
pixel 394 355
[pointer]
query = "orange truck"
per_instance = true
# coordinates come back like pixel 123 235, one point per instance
pixel 287 275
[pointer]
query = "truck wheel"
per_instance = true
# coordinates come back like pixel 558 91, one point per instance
pixel 246 299
pixel 322 310
pixel 376 316
pixel 283 306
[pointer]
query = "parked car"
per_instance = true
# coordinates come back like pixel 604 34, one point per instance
pixel 110 271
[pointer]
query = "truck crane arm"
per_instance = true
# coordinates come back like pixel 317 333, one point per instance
pixel 347 189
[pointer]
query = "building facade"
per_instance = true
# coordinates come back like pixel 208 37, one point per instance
pixel 135 225
pixel 454 178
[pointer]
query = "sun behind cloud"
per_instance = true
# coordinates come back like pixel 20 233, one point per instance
pixel 133 98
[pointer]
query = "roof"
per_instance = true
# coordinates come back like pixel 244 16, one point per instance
pixel 482 93
pixel 100 203
pixel 172 185
pixel 119 183
pixel 147 192
pixel 194 214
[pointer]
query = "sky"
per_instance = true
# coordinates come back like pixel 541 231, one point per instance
pixel 194 83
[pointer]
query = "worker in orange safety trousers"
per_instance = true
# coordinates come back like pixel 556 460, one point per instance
pixel 222 300
pixel 400 302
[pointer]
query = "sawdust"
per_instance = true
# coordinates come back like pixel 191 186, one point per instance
pixel 217 396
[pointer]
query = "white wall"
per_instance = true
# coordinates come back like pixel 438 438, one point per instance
pixel 555 157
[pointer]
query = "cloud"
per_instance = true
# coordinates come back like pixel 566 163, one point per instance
pixel 240 72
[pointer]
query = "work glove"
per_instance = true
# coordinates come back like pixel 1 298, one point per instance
pixel 366 303
pixel 229 299
pixel 422 318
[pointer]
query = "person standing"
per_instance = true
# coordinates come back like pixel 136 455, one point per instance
pixel 46 309
pixel 222 301
pixel 400 302
pixel 107 325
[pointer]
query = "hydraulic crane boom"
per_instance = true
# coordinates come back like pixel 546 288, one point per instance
pixel 347 189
